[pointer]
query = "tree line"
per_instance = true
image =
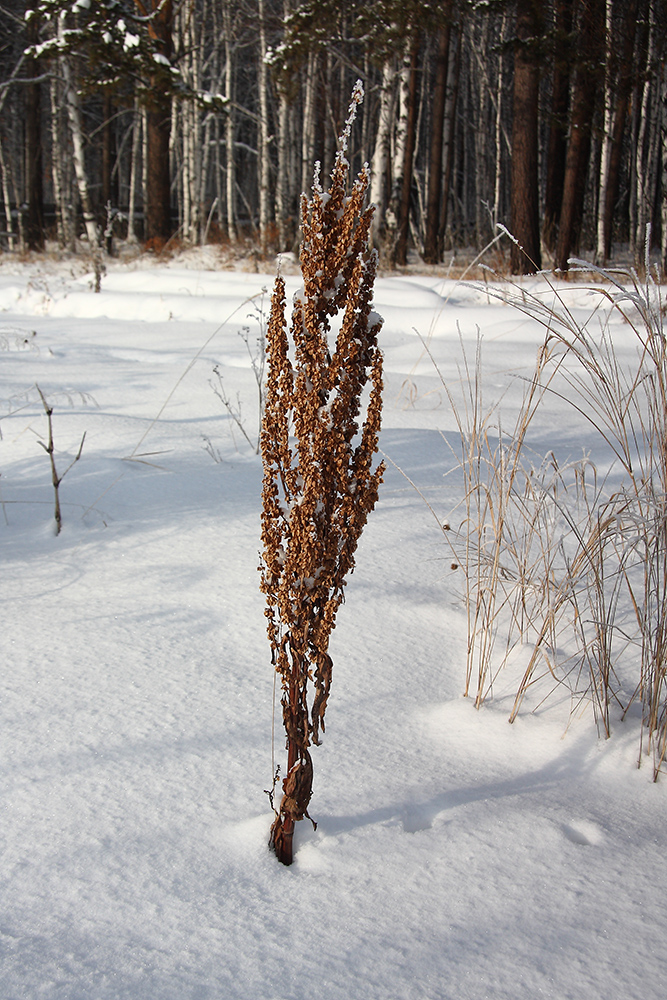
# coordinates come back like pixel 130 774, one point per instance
pixel 200 120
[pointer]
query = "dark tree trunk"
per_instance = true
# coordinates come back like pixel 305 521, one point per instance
pixel 431 254
pixel 578 149
pixel 525 257
pixel 451 102
pixel 620 118
pixel 33 147
pixel 560 104
pixel 158 200
pixel 157 210
pixel 109 187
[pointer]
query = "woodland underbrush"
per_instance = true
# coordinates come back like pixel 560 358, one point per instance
pixel 565 562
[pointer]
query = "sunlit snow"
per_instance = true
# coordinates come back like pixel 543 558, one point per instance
pixel 456 857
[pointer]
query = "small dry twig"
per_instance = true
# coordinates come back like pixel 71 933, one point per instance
pixel 50 451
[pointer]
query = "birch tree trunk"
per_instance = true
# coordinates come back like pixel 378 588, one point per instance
pixel 264 165
pixel 64 227
pixel 282 201
pixel 398 156
pixel 380 161
pixel 33 143
pixel 136 137
pixel 400 255
pixel 230 125
pixel 282 183
pixel 308 133
pixel 642 149
pixel 4 178
pixel 606 144
pixel 499 130
pixel 76 129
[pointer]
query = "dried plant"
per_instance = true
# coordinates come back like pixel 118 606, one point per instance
pixel 257 357
pixel 319 437
pixel 555 556
pixel 49 448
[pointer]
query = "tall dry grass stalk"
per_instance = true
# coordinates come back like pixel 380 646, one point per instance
pixel 318 443
pixel 555 557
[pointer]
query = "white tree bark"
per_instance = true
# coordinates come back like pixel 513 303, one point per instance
pixel 63 215
pixel 642 154
pixel 76 129
pixel 308 133
pixel 136 136
pixel 499 129
pixel 230 129
pixel 6 200
pixel 605 151
pixel 264 137
pixel 380 160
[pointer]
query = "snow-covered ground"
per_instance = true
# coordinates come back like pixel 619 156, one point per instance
pixel 455 856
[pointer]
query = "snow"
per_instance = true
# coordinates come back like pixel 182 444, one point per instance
pixel 455 856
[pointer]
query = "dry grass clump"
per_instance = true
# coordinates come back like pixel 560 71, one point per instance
pixel 556 558
pixel 317 449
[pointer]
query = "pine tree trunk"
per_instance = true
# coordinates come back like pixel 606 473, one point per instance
pixel 526 256
pixel 619 118
pixel 109 188
pixel 578 150
pixel 157 207
pixel 557 144
pixel 431 255
pixel 451 102
pixel 480 135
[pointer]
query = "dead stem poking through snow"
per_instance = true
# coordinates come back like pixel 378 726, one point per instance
pixel 319 482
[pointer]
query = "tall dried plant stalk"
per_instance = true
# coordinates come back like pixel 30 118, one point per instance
pixel 318 441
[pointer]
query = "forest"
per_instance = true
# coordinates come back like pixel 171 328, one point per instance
pixel 184 122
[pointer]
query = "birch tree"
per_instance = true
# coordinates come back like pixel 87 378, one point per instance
pixel 264 132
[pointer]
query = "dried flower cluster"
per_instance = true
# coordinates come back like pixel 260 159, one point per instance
pixel 318 443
